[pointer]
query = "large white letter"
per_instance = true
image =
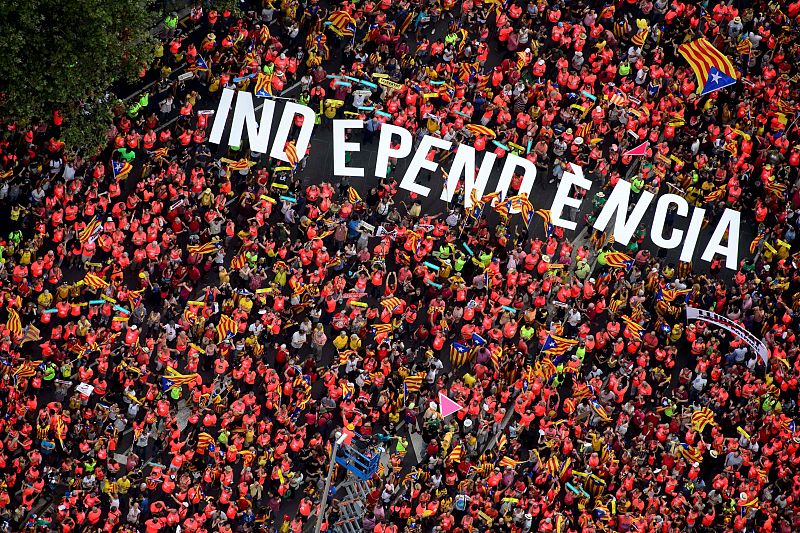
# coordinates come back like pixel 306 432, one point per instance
pixel 528 174
pixel 464 164
pixel 657 233
pixel 245 114
pixel 221 116
pixel 385 150
pixel 287 119
pixel 340 147
pixel 568 179
pixel 692 233
pixel 618 202
pixel 729 222
pixel 420 161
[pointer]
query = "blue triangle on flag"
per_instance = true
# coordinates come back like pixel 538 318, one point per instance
pixel 549 344
pixel 716 80
pixel 263 93
pixel 116 166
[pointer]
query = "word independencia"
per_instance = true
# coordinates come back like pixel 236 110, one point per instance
pixel 397 143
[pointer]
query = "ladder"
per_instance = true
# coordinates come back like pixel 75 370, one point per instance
pixel 352 506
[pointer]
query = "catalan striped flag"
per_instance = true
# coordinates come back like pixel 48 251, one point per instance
pixel 555 345
pixel 91 231
pixel 749 504
pixel 406 22
pixel 413 382
pixel 456 455
pixel 468 71
pixel 172 378
pixel 348 390
pixel 547 220
pixel 342 21
pixel 352 196
pixel 121 169
pixel 669 295
pixel 238 261
pixel 618 260
pixel 594 485
pixel 690 453
pixel 714 195
pixel 480 129
pixel 775 187
pixel 203 249
pixel 200 65
pixel 701 418
pixel 712 68
pixel 502 440
pixel 26 369
pixel 618 98
pixel 744 46
pixel 241 164
pixel 599 410
pixel 524 206
pixel 507 461
pixel 94 281
pixel 381 329
pixel 495 353
pixel 503 208
pixel 263 86
pixel 459 354
pixel 14 323
pixel 160 152
pixel 755 242
pixel 32 334
pixel 204 440
pixel 61 430
pixel 226 328
pixel 634 327
pixel 546 369
pixel 189 316
pixel 291 154
pixel 394 303
pixel 640 38
pixel 557 468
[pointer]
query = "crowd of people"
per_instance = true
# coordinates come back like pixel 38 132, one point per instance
pixel 187 329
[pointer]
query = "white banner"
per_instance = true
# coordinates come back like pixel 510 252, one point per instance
pixel 693 313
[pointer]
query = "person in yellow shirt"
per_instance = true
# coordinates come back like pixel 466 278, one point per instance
pixel 340 342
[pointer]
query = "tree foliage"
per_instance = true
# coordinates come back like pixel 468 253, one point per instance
pixel 65 55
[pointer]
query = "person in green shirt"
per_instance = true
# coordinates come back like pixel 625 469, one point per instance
pixel 171 24
pixel 637 184
pixel 460 261
pixel 527 332
pixel 49 373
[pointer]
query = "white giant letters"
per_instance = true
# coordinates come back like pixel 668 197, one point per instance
pixel 396 143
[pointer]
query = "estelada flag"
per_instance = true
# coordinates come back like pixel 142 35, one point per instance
pixel 618 260
pixel 291 154
pixel 226 328
pixel 352 196
pixel 91 231
pixel 263 86
pixel 121 169
pixel 459 354
pixel 713 69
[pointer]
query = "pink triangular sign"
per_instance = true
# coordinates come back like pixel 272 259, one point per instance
pixel 447 406
pixel 639 150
